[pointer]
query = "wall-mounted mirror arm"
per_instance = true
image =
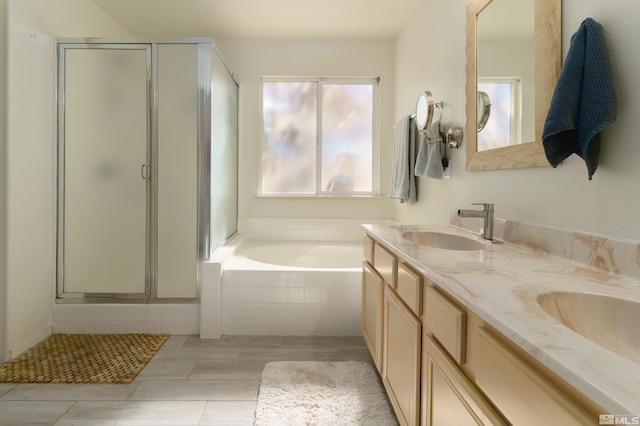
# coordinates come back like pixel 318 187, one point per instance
pixel 453 137
pixel 425 107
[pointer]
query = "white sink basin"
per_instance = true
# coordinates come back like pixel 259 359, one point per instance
pixel 610 322
pixel 443 241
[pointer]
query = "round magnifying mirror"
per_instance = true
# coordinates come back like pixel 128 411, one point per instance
pixel 483 110
pixel 424 111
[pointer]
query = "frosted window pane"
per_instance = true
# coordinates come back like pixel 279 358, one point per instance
pixel 347 132
pixel 289 140
pixel 497 132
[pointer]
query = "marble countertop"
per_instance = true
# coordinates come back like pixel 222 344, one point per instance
pixel 501 284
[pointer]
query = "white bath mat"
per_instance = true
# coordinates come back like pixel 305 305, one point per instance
pixel 322 393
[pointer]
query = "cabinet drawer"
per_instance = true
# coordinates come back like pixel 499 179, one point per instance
pixel 367 248
pixel 410 288
pixel 447 323
pixel 386 265
pixel 448 397
pixel 512 385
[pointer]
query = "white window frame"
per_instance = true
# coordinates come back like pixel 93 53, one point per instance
pixel 319 192
pixel 515 114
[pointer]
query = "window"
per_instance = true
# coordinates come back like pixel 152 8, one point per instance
pixel 318 136
pixel 504 125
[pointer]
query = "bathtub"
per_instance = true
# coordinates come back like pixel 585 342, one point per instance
pixel 298 288
pixel 296 255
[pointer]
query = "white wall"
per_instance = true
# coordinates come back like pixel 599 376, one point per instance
pixel 562 197
pixel 30 218
pixel 3 168
pixel 252 59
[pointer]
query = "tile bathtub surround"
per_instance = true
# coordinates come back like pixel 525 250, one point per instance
pixel 211 286
pixel 296 303
pixel 119 319
pixel 502 283
pixel 189 382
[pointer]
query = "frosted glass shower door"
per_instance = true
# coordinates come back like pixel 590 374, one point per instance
pixel 104 159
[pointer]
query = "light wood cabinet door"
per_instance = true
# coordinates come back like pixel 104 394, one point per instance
pixel 401 359
pixel 372 307
pixel 448 397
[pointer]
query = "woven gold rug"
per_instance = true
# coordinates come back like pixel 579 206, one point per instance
pixel 83 358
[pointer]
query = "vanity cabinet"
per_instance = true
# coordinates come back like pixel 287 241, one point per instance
pixel 446 322
pixel 409 288
pixel 402 340
pixel 372 298
pixel 512 385
pixel 373 285
pixel 469 371
pixel 391 327
pixel 442 364
pixel 386 264
pixel 448 396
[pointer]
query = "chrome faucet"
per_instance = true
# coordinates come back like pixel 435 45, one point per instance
pixel 486 213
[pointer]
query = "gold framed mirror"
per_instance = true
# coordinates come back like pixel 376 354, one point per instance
pixel 527 150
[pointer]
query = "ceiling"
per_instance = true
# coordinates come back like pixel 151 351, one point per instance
pixel 262 19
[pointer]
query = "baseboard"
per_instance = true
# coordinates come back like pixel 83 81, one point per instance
pixel 34 340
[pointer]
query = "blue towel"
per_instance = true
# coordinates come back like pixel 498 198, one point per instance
pixel 403 182
pixel 584 101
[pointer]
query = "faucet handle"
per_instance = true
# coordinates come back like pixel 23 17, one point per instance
pixel 486 206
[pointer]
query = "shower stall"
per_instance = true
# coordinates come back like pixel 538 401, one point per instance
pixel 147 168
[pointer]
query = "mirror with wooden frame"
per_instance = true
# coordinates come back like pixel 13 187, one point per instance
pixel 528 107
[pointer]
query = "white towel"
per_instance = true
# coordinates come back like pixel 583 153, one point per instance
pixel 429 161
pixel 403 185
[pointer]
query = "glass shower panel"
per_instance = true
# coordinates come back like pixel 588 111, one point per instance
pixel 176 171
pixel 224 154
pixel 105 145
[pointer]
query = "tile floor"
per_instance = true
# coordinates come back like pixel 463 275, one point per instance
pixel 188 382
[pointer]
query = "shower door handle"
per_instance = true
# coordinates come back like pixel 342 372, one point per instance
pixel 144 171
